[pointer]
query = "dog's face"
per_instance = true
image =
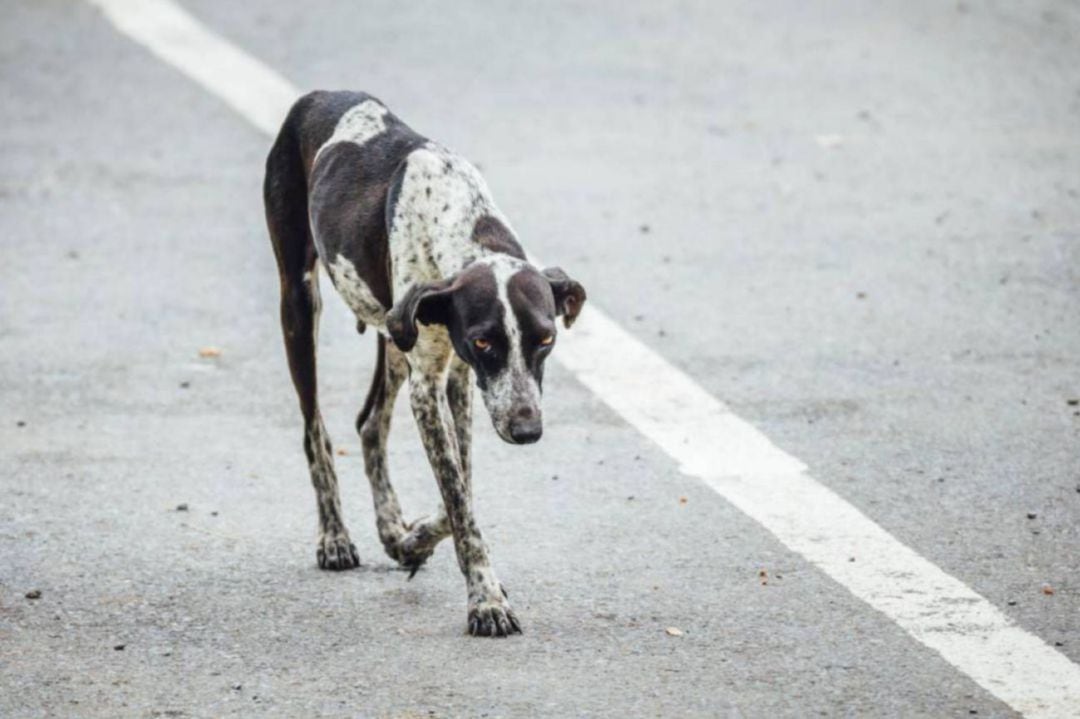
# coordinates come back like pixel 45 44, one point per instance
pixel 500 314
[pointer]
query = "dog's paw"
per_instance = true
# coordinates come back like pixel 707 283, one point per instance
pixel 412 558
pixel 336 553
pixel 418 544
pixel 493 619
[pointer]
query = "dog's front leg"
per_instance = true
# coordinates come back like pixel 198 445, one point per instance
pixel 459 393
pixel 489 610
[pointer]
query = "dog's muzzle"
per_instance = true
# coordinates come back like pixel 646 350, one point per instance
pixel 526 425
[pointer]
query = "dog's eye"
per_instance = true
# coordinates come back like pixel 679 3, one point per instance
pixel 481 344
pixel 547 340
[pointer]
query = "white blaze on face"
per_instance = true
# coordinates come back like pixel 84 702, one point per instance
pixel 515 387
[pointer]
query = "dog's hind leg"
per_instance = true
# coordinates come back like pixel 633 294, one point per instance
pixel 373 426
pixel 285 194
pixel 408 544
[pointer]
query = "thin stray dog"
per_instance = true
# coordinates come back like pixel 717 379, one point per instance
pixel 417 249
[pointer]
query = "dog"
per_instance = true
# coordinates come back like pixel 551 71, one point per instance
pixel 414 244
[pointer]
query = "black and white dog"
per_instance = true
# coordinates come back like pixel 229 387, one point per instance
pixel 416 247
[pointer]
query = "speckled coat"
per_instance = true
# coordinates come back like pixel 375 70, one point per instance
pixel 416 247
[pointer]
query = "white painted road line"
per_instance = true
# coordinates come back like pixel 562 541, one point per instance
pixel 256 92
pixel 702 434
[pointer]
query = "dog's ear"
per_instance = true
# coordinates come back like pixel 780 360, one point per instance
pixel 569 294
pixel 427 302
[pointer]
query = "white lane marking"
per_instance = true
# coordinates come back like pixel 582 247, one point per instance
pixel 773 488
pixel 703 435
pixel 257 93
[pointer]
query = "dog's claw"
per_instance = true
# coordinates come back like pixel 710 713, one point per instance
pixel 412 561
pixel 493 620
pixel 337 554
pixel 413 550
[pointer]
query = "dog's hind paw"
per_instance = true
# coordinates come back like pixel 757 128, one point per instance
pixel 336 553
pixel 493 619
pixel 418 544
pixel 412 557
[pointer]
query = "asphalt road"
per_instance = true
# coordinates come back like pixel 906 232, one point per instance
pixel 858 225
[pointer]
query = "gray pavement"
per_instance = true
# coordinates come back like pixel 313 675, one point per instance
pixel 858 224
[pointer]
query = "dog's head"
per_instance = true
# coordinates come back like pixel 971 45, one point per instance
pixel 500 314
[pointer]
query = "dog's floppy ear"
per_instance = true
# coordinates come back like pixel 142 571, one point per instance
pixel 427 302
pixel 569 294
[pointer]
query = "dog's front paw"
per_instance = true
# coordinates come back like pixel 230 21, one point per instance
pixel 493 619
pixel 336 553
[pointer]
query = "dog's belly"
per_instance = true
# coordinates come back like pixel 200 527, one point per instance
pixel 355 292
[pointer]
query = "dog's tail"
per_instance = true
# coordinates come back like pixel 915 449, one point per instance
pixel 377 384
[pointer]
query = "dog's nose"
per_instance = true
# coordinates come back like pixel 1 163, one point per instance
pixel 526 434
pixel 526 426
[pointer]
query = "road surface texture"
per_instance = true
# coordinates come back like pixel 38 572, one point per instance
pixel 857 224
